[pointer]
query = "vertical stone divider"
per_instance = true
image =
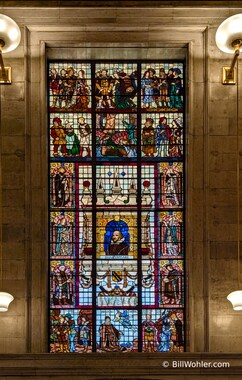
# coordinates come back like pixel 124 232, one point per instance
pixel 1 199
pixel 27 89
pixel 206 238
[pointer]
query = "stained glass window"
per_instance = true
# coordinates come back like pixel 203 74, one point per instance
pixel 116 206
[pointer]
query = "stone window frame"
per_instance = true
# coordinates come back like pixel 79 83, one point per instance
pixel 44 42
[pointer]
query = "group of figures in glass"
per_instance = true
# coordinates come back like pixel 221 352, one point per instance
pixel 116 135
pixel 116 87
pixel 119 218
pixel 72 331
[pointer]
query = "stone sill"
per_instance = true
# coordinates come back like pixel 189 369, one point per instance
pixel 118 366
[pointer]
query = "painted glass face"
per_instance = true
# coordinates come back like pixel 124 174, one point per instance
pixel 116 206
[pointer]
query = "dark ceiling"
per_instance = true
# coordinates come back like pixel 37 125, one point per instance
pixel 120 3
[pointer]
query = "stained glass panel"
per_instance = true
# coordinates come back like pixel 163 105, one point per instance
pixel 62 283
pixel 70 331
pixel 117 330
pixel 163 330
pixel 162 86
pixel 116 235
pixel 116 86
pixel 116 185
pixel 117 283
pixel 171 284
pixel 85 287
pixel 63 235
pixel 162 135
pixel 85 186
pixel 85 238
pixel 116 135
pixel 171 184
pixel 70 135
pixel 62 189
pixel 69 87
pixel 116 206
pixel 171 234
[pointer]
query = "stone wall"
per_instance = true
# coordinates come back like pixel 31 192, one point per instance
pixel 211 166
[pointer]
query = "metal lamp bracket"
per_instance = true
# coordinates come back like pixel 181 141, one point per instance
pixel 6 75
pixel 5 72
pixel 229 73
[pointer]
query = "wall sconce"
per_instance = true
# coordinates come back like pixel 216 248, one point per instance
pixel 236 299
pixel 229 40
pixel 9 40
pixel 5 300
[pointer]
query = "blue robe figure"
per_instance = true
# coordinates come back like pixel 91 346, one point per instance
pixel 147 89
pixel 165 336
pixel 71 336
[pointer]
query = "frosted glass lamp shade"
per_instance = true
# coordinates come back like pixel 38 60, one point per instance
pixel 229 31
pixel 9 33
pixel 236 299
pixel 5 300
